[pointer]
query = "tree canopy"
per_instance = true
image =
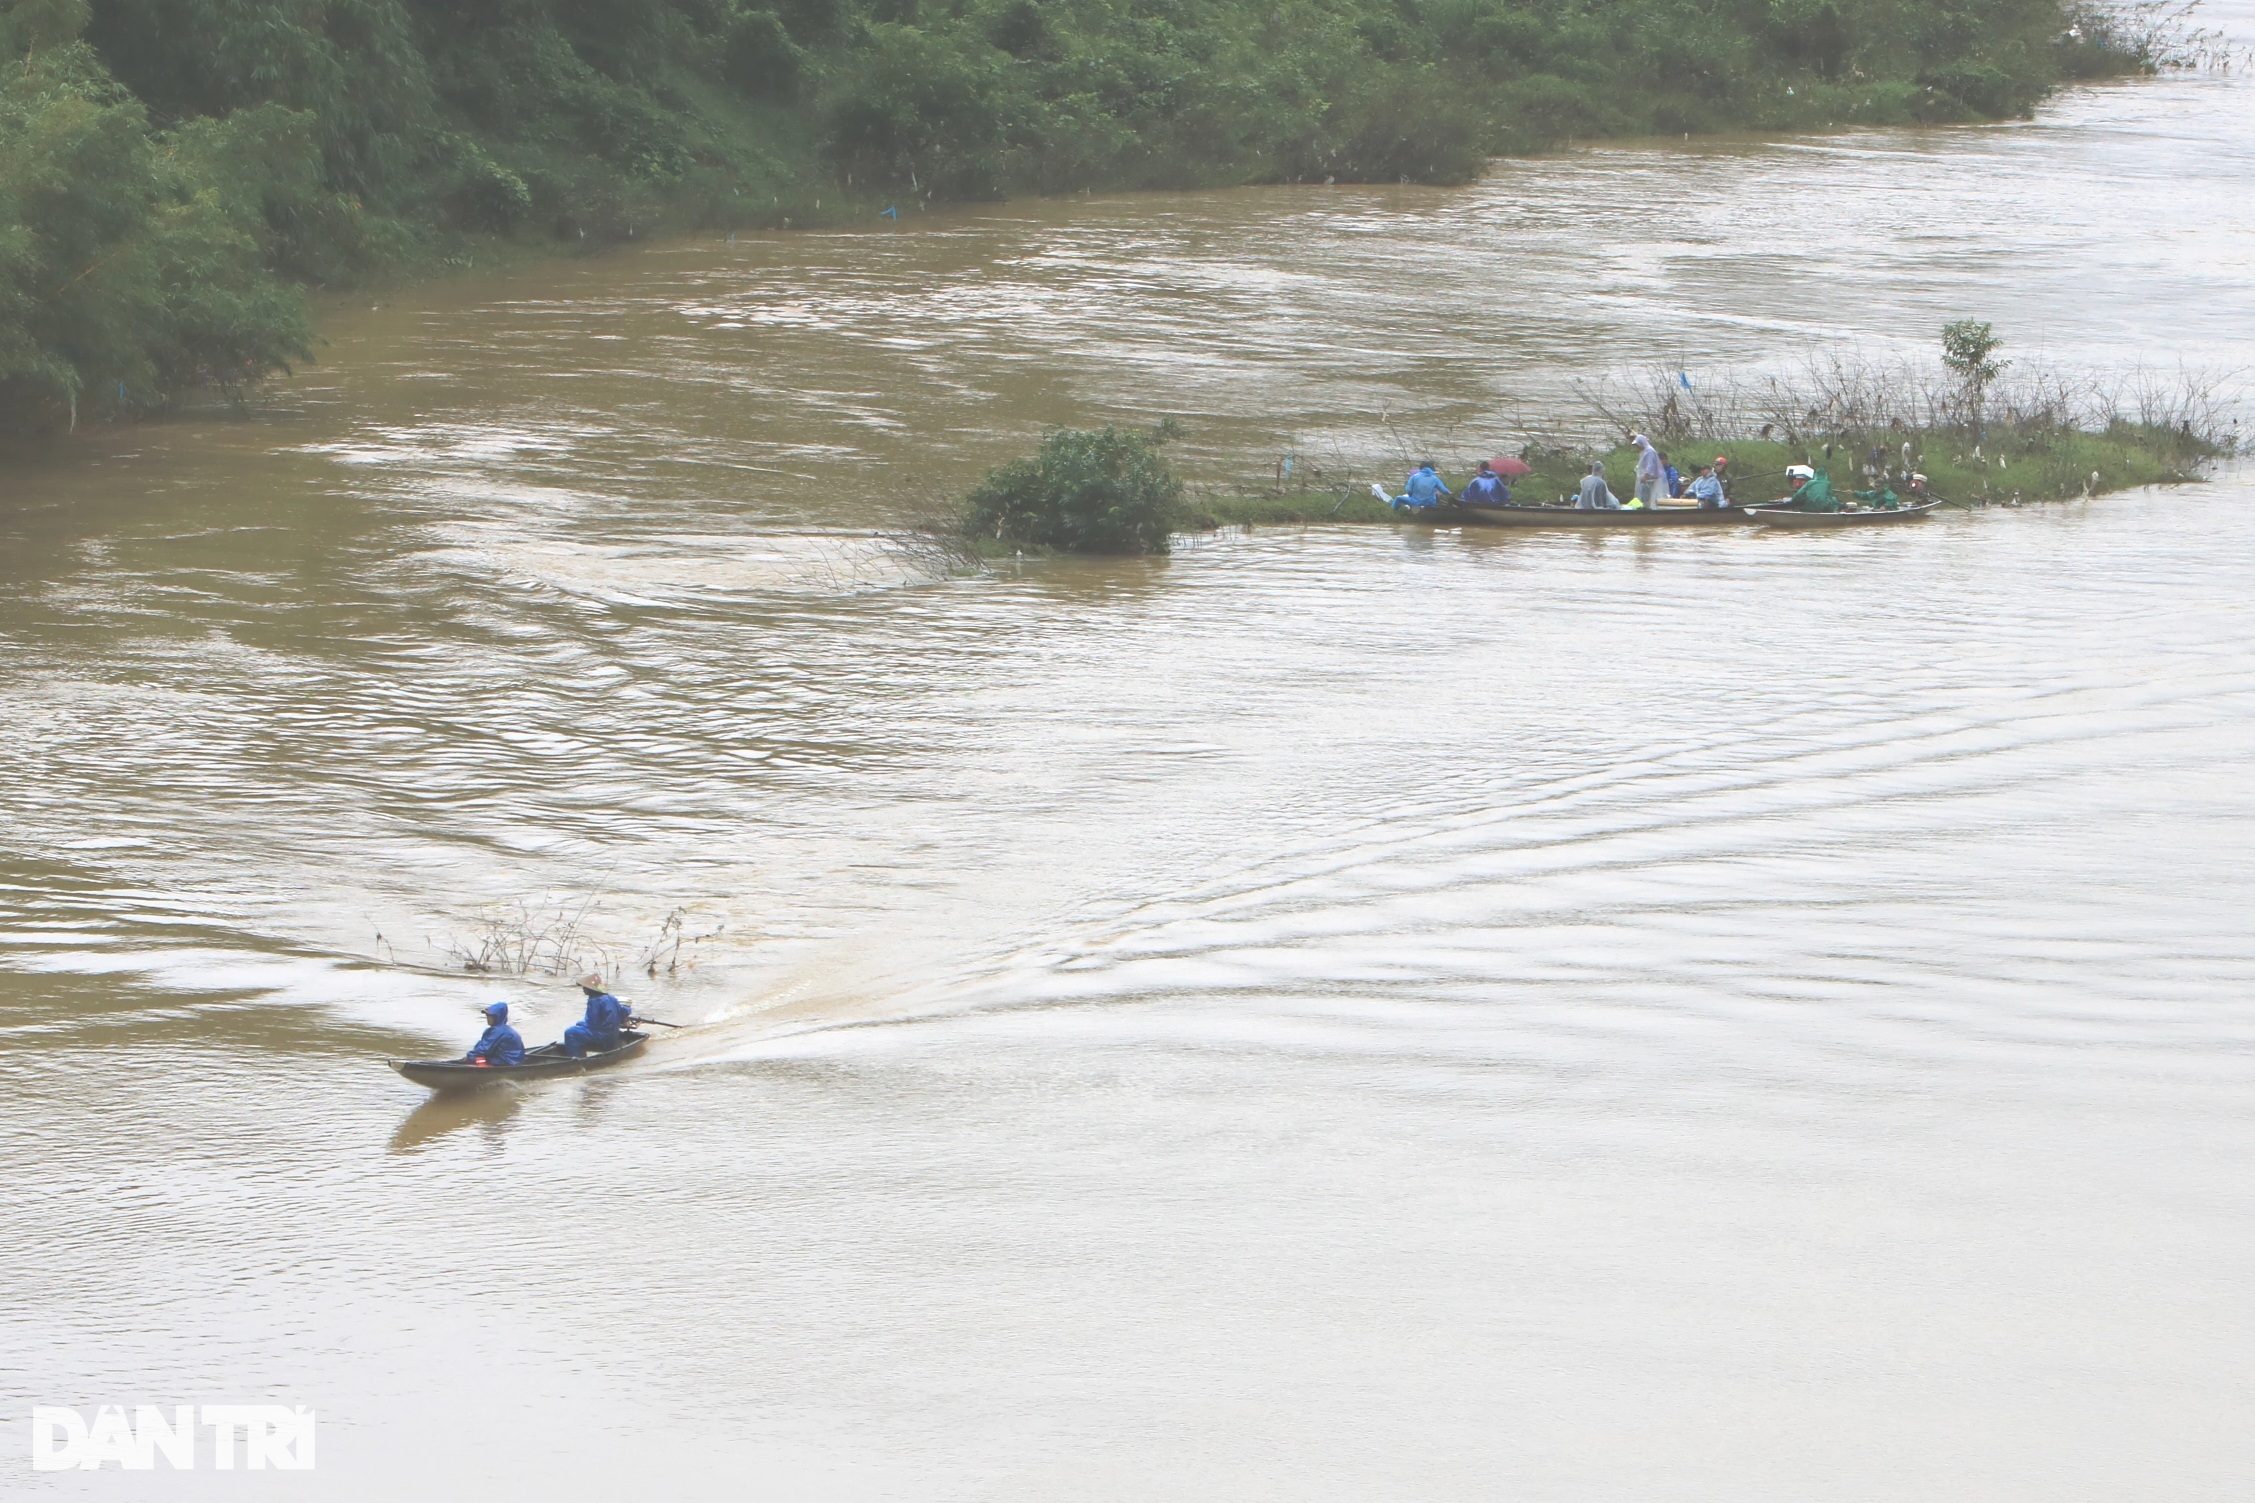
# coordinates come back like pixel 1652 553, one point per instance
pixel 174 172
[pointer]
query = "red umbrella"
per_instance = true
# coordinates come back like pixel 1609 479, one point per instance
pixel 1504 464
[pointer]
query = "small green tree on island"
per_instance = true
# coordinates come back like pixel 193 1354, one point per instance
pixel 1969 349
pixel 1102 490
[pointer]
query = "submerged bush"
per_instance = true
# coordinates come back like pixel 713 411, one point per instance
pixel 1104 490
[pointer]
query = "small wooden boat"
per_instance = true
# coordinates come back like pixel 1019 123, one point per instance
pixel 544 1063
pixel 1807 521
pixel 1571 516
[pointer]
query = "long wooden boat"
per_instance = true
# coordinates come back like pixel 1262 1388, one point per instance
pixel 1570 516
pixel 1811 521
pixel 544 1063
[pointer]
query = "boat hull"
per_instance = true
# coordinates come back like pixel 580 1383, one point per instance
pixel 545 1063
pixel 1822 521
pixel 1427 516
pixel 1568 516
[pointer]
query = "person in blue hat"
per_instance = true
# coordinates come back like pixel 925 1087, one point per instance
pixel 499 1044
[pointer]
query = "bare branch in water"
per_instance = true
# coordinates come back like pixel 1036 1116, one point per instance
pixel 2160 34
pixel 931 544
pixel 546 938
pixel 554 937
pixel 674 941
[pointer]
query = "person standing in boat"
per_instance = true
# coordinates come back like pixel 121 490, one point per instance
pixel 1596 495
pixel 499 1044
pixel 605 1020
pixel 1651 472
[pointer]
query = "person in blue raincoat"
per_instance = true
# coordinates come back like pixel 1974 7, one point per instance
pixel 1487 488
pixel 1424 490
pixel 605 1020
pixel 499 1044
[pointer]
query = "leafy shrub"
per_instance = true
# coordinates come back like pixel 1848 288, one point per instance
pixel 1401 136
pixel 760 58
pixel 1020 29
pixel 1984 87
pixel 811 20
pixel 1543 108
pixel 129 272
pixel 354 64
pixel 487 195
pixel 928 110
pixel 1811 32
pixel 1105 490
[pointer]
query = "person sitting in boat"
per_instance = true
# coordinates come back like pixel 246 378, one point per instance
pixel 1486 488
pixel 1672 475
pixel 1812 489
pixel 1881 496
pixel 1595 494
pixel 1424 490
pixel 499 1044
pixel 605 1020
pixel 1707 488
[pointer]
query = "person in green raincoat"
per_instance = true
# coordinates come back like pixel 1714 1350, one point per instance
pixel 1812 489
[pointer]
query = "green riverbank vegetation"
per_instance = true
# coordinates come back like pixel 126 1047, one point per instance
pixel 1981 431
pixel 2055 466
pixel 174 174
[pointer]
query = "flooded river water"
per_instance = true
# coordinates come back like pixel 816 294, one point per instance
pixel 1332 1014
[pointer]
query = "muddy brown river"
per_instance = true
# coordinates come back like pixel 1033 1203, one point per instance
pixel 1331 1014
